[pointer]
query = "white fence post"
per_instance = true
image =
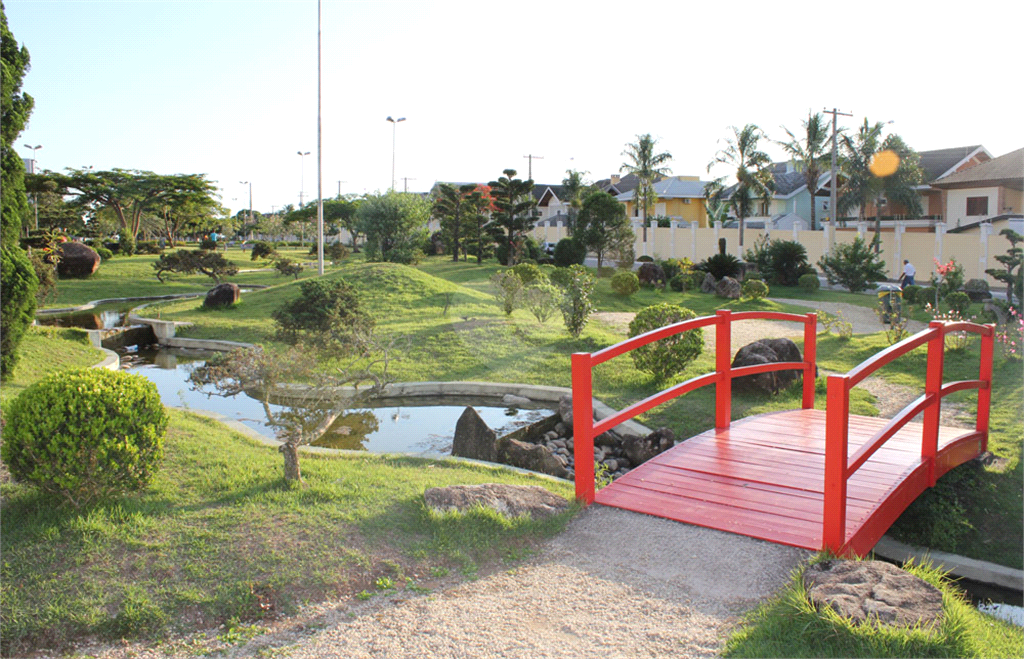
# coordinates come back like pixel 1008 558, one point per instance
pixel 940 233
pixel 638 233
pixel 797 228
pixel 900 228
pixel 673 225
pixel 862 230
pixel 693 241
pixel 986 230
pixel 826 237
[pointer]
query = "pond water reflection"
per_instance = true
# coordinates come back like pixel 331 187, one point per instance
pixel 421 426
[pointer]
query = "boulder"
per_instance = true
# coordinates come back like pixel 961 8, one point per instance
pixel 565 411
pixel 437 242
pixel 514 401
pixel 708 285
pixel 77 260
pixel 534 457
pixel 728 287
pixel 767 351
pixel 473 439
pixel 510 500
pixel 651 273
pixel 641 449
pixel 873 590
pixel 222 295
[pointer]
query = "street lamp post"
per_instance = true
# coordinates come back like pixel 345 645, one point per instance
pixel 250 198
pixel 302 184
pixel 394 129
pixel 35 195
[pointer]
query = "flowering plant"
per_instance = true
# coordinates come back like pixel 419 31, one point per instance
pixel 1010 335
pixel 950 278
pixel 955 341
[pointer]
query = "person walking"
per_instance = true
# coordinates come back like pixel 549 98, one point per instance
pixel 908 274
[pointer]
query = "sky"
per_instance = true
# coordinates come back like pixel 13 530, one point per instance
pixel 229 88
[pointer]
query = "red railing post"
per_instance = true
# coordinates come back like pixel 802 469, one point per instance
pixel 933 389
pixel 583 426
pixel 723 364
pixel 810 359
pixel 837 423
pixel 985 393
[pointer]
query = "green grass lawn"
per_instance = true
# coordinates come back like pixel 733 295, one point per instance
pixel 789 626
pixel 56 348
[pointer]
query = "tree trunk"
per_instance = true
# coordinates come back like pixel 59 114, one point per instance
pixel 290 451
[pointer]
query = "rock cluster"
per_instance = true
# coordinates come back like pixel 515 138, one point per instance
pixel 651 274
pixel 767 351
pixel 873 590
pixel 728 287
pixel 77 260
pixel 547 446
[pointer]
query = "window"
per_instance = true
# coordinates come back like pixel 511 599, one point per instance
pixel 977 205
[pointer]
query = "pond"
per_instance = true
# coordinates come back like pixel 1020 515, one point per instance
pixel 419 426
pixel 102 316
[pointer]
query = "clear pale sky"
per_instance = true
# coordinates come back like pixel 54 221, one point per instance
pixel 228 88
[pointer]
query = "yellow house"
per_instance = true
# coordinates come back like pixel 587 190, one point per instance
pixel 680 198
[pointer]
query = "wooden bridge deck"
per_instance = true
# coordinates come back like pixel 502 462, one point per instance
pixel 763 477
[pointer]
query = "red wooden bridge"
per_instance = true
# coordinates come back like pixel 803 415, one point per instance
pixel 807 478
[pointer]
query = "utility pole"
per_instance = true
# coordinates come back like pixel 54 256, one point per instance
pixel 319 152
pixel 833 202
pixel 406 180
pixel 529 170
pixel 339 188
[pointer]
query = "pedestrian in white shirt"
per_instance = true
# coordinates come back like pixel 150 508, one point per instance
pixel 908 274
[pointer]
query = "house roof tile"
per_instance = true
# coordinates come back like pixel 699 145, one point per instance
pixel 1006 170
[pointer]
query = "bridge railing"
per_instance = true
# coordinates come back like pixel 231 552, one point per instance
pixel 583 363
pixel 839 465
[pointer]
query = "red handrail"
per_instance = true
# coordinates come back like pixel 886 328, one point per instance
pixel 584 428
pixel 839 466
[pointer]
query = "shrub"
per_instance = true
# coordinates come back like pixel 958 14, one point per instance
pixel 625 283
pixel 624 255
pixel 288 268
pixel 670 355
pixel 149 247
pixel 787 261
pixel 912 294
pixel 333 252
pixel 754 289
pixel 605 272
pixel 188 262
pixel 696 279
pixel 576 305
pixel 753 275
pixel 105 254
pixel 758 257
pixel 809 282
pixel 46 276
pixel 17 302
pixel 529 273
pixel 853 265
pixel 927 295
pixel 208 244
pixel 721 265
pixel 569 252
pixel 327 312
pixel 958 302
pixel 560 276
pixel 952 275
pixel 837 324
pixel 261 249
pixel 673 267
pixel 644 259
pixel 541 299
pixel 509 290
pixel 86 434
pixel 977 289
pixel 126 245
pixel 1012 272
pixel 679 282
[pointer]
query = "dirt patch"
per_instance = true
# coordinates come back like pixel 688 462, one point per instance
pixel 864 319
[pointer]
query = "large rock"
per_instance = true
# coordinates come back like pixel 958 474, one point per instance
pixel 651 273
pixel 873 590
pixel 641 449
pixel 565 411
pixel 437 242
pixel 708 285
pixel 535 457
pixel 77 260
pixel 510 500
pixel 728 287
pixel 473 439
pixel 222 295
pixel 767 351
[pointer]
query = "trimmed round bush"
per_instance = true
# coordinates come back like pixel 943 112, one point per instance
pixel 670 355
pixel 958 302
pixel 754 289
pixel 754 275
pixel 261 249
pixel 809 283
pixel 569 252
pixel 105 254
pixel 126 245
pixel 912 294
pixel 926 295
pixel 85 434
pixel 679 282
pixel 977 289
pixel 529 273
pixel 645 259
pixel 625 283
pixel 560 276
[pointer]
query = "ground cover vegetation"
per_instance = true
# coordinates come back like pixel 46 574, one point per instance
pixel 789 625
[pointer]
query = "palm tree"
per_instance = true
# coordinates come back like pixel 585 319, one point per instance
pixel 753 179
pixel 807 152
pixel 648 167
pixel 861 186
pixel 573 188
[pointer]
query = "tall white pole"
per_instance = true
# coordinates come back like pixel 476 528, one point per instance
pixel 319 157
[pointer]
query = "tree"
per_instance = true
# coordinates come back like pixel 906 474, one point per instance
pixel 456 208
pixel 511 219
pixel 807 152
pixel 574 190
pixel 853 265
pixel 131 193
pixel 189 262
pixel 17 277
pixel 394 224
pixel 338 213
pixel 601 222
pixel 185 211
pixel 753 179
pixel 648 167
pixel 1012 260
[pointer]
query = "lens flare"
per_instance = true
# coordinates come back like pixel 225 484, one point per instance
pixel 884 163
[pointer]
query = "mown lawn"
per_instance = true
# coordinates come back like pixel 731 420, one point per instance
pixel 55 348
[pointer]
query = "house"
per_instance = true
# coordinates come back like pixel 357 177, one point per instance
pixel 549 202
pixel 791 202
pixel 680 198
pixel 984 192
